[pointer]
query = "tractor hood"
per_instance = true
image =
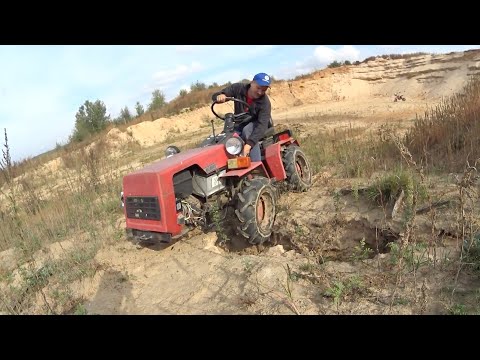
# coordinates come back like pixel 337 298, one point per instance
pixel 209 159
pixel 157 178
pixel 152 186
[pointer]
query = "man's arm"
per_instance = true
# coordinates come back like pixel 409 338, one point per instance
pixel 229 91
pixel 264 116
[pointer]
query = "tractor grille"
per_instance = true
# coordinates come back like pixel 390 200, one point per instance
pixel 145 207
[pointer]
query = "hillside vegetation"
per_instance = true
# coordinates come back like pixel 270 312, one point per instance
pixel 92 121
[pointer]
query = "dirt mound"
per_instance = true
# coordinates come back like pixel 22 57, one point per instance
pixel 149 133
pixel 116 138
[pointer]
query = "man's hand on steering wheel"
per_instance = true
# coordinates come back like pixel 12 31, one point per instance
pixel 221 98
pixel 238 118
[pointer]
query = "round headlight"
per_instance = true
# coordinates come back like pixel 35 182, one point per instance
pixel 171 150
pixel 234 145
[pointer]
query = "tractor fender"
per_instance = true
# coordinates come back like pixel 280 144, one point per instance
pixel 242 172
pixel 273 161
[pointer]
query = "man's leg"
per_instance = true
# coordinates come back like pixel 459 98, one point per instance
pixel 238 129
pixel 255 154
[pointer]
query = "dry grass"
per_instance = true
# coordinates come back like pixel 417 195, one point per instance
pixel 91 188
pixel 355 152
pixel 449 134
pixel 443 142
pixel 84 211
pixel 395 56
pixel 44 286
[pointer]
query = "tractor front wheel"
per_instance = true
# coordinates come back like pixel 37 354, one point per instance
pixel 255 210
pixel 297 168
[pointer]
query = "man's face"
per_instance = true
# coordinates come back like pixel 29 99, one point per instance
pixel 257 91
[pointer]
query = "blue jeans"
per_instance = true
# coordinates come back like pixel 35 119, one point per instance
pixel 245 132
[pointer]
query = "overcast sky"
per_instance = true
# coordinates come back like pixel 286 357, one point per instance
pixel 42 87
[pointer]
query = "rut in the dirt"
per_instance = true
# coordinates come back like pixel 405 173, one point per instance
pixel 339 241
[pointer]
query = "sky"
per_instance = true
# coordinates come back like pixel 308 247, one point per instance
pixel 43 86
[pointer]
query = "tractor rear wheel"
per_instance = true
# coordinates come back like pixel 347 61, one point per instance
pixel 255 210
pixel 298 169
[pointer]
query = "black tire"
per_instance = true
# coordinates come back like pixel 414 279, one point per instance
pixel 255 210
pixel 298 169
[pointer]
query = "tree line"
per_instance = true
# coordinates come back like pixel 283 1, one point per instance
pixel 92 116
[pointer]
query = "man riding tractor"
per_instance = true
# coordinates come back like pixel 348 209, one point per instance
pixel 217 182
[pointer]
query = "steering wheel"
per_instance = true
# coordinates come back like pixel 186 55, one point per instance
pixel 237 118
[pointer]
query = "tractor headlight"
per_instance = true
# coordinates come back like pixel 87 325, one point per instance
pixel 171 150
pixel 234 145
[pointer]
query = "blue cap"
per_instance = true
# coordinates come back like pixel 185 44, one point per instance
pixel 262 79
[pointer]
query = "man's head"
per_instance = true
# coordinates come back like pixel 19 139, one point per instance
pixel 259 85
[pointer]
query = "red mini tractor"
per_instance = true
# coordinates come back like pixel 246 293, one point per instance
pixel 213 183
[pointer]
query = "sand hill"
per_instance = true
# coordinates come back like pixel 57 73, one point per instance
pixel 421 79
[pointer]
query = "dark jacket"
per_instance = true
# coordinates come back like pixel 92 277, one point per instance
pixel 261 109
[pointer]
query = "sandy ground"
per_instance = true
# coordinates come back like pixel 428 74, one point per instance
pixel 199 275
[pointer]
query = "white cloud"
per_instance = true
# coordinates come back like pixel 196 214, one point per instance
pixel 166 77
pixel 322 56
pixel 326 55
pixel 217 55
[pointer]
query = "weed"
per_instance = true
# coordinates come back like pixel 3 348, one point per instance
pixel 342 289
pixel 361 252
pixel 458 309
pixel 80 310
